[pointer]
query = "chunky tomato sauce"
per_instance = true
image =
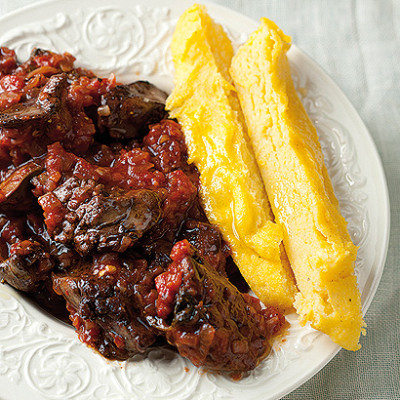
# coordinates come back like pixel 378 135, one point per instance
pixel 100 214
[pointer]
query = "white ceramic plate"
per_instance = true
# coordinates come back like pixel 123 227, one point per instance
pixel 40 357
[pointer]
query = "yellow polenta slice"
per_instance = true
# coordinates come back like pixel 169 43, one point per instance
pixel 234 198
pixel 291 162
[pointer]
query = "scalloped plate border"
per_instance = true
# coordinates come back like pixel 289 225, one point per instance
pixel 40 357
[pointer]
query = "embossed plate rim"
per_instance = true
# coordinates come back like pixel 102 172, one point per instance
pixel 210 389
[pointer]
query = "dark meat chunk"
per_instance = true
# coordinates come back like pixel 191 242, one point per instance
pixel 115 222
pixel 157 252
pixel 48 107
pixel 14 190
pixel 108 300
pixel 48 300
pixel 53 99
pixel 28 265
pixel 27 254
pixel 207 239
pixel 208 319
pixel 39 119
pixel 69 180
pixel 126 111
pixel 92 218
pixel 21 113
pixel 148 92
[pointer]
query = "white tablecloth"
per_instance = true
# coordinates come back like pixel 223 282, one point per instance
pixel 358 43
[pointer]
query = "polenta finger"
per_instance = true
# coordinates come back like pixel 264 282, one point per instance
pixel 291 162
pixel 206 106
